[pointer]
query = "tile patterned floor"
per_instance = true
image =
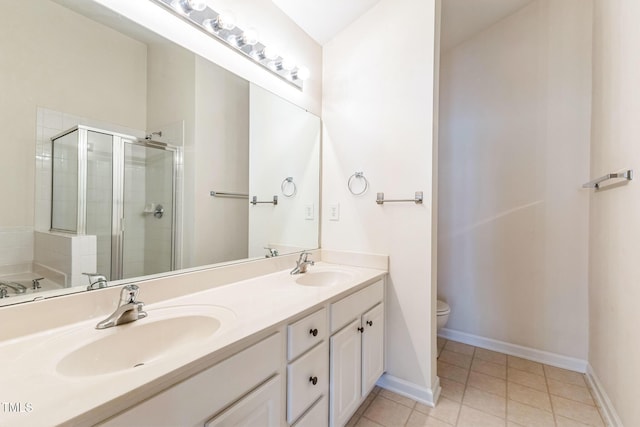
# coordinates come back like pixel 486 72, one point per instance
pixel 482 388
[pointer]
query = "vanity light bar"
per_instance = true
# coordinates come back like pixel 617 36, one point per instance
pixel 223 29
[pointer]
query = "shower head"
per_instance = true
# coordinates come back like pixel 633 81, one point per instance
pixel 149 137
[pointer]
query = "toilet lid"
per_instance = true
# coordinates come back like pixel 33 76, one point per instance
pixel 443 307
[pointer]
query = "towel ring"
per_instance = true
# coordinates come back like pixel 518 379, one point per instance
pixel 352 178
pixel 294 191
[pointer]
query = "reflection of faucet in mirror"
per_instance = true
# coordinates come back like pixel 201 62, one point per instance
pixel 16 287
pixel 96 281
pixel 3 292
pixel 302 264
pixel 35 283
pixel 129 309
pixel 271 252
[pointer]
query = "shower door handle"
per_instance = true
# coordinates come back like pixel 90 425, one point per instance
pixel 158 212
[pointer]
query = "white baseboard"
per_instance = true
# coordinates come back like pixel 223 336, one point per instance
pixel 553 359
pixel 606 407
pixel 428 396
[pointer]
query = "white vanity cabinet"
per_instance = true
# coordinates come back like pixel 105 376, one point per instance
pixel 356 350
pixel 244 389
pixel 311 371
pixel 307 368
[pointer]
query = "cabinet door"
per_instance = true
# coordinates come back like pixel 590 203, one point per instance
pixel 262 407
pixel 317 416
pixel 346 375
pixel 372 347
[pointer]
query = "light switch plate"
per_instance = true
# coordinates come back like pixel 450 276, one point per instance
pixel 308 212
pixel 334 212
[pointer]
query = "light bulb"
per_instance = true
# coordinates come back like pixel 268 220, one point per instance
pixel 250 36
pixel 302 73
pixel 224 21
pixel 270 53
pixel 275 65
pixel 288 64
pixel 188 6
pixel 198 5
pixel 235 40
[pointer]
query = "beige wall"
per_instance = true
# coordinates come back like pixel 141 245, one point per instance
pixel 614 346
pixel 221 163
pixel 378 118
pixel 54 58
pixel 514 151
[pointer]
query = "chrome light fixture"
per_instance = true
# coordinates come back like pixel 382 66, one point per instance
pixel 222 27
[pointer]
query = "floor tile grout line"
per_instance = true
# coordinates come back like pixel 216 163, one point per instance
pixel 466 384
pixel 546 383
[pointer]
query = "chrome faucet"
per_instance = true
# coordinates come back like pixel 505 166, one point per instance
pixel 17 287
pixel 271 252
pixel 129 309
pixel 96 281
pixel 302 264
pixel 3 292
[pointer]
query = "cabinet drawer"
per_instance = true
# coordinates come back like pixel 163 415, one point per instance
pixel 197 399
pixel 301 392
pixel 261 407
pixel 306 333
pixel 351 307
pixel 317 416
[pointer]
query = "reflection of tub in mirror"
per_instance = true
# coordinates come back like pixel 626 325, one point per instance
pixel 129 80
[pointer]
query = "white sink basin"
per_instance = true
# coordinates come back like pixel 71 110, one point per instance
pixel 166 331
pixel 325 277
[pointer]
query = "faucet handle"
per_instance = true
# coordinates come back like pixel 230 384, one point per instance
pixel 304 256
pixel 96 281
pixel 129 294
pixel 272 252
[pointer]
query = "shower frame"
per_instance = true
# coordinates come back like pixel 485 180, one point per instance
pixel 118 168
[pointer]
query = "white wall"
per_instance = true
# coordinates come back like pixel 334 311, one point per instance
pixel 614 347
pixel 284 142
pixel 378 94
pixel 514 151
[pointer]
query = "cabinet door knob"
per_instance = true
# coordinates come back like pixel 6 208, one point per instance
pixel 370 322
pixel 313 380
pixel 361 329
pixel 313 332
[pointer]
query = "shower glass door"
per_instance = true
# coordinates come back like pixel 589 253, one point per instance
pixel 148 209
pixel 99 198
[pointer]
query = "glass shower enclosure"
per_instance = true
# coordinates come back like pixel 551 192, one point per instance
pixel 122 190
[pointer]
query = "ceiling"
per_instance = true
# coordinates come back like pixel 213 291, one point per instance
pixel 461 19
pixel 322 20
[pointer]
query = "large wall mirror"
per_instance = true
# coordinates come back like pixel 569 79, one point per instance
pixel 128 156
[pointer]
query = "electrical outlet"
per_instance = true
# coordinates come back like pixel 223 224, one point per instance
pixel 308 212
pixel 334 212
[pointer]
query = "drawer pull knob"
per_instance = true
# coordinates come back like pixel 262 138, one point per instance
pixel 361 329
pixel 313 380
pixel 370 322
pixel 313 332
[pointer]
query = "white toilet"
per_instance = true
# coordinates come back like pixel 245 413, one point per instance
pixel 443 314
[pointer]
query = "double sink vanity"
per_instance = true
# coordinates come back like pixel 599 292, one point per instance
pixel 244 344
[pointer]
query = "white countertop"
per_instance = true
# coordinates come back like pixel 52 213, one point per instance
pixel 29 376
